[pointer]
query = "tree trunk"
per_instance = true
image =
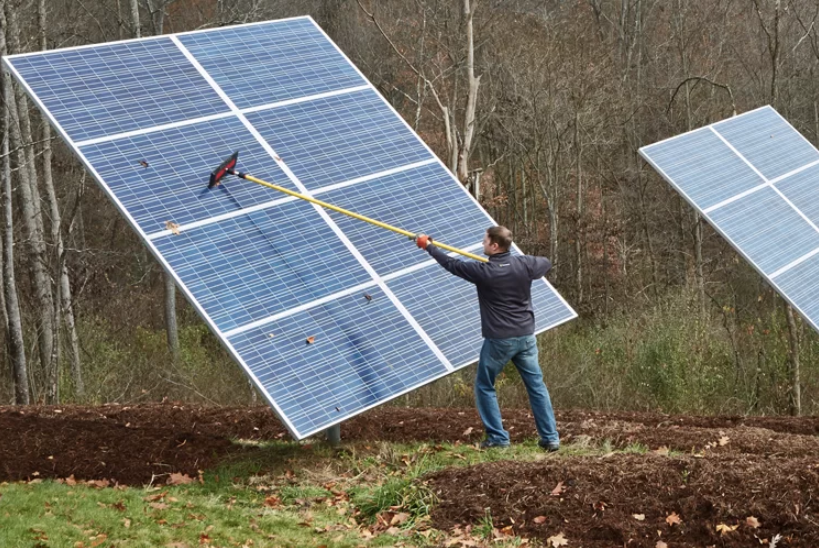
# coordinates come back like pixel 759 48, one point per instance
pixel 14 326
pixel 63 307
pixel 135 29
pixel 578 238
pixel 170 316
pixel 795 394
pixel 20 133
pixel 471 98
pixel 171 325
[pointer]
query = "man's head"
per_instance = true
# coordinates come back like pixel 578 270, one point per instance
pixel 498 239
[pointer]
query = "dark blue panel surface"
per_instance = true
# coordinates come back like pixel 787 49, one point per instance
pixel 250 267
pixel 768 142
pixel 265 63
pixel 453 322
pixel 801 285
pixel 174 186
pixel 339 138
pixel 767 229
pixel 803 190
pixel 703 167
pixel 363 353
pixel 425 199
pixel 114 88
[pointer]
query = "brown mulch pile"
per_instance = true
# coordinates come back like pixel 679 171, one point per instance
pixel 721 470
pixel 626 500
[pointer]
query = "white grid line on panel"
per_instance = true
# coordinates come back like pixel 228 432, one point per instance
pixel 134 133
pixel 366 178
pixel 321 211
pixel 304 99
pixel 426 146
pixel 792 264
pixel 766 184
pixel 337 295
pixel 643 152
pixel 223 217
pixel 158 256
pixel 163 127
pixel 779 192
pixel 302 308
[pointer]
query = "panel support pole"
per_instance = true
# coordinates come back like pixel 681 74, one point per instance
pixel 333 434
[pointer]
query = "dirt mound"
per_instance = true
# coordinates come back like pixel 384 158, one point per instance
pixel 59 447
pixel 633 500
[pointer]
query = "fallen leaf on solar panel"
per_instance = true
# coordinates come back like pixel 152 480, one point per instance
pixel 172 226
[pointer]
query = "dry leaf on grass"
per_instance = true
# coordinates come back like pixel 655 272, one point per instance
pixel 467 431
pixel 661 544
pixel 751 521
pixel 639 517
pixel 179 479
pixel 723 441
pixel 540 519
pixel 558 490
pixel 272 501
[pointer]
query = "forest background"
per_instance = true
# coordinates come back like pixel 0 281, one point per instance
pixel 539 107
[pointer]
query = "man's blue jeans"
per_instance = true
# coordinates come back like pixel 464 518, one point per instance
pixel 495 354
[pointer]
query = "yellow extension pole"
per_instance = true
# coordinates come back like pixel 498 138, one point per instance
pixel 354 215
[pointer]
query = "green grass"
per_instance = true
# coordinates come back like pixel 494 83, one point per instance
pixel 286 494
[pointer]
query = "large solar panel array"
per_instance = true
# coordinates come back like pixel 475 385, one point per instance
pixel 152 118
pixel 756 180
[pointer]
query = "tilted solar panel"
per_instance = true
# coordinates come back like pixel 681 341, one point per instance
pixel 756 180
pixel 327 315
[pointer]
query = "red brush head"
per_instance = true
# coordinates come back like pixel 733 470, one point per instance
pixel 223 169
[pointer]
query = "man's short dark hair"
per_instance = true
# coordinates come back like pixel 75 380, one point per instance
pixel 500 235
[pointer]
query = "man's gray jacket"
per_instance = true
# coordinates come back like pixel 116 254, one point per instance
pixel 504 289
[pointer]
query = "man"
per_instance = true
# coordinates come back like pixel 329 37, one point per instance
pixel 507 325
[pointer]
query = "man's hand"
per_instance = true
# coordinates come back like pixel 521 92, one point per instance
pixel 422 240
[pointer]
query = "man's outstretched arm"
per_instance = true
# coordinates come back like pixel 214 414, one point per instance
pixel 470 271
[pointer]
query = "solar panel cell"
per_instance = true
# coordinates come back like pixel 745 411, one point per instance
pixel 767 229
pixel 363 352
pixel 250 267
pixel 801 189
pixel 424 199
pixel 266 63
pixel 703 167
pixel 800 284
pixel 768 142
pixel 116 88
pixel 173 184
pixel 336 139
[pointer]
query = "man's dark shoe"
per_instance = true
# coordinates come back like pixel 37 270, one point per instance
pixel 549 446
pixel 489 444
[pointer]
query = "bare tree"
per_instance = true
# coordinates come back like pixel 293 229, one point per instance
pixel 14 327
pixel 21 139
pixel 459 137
